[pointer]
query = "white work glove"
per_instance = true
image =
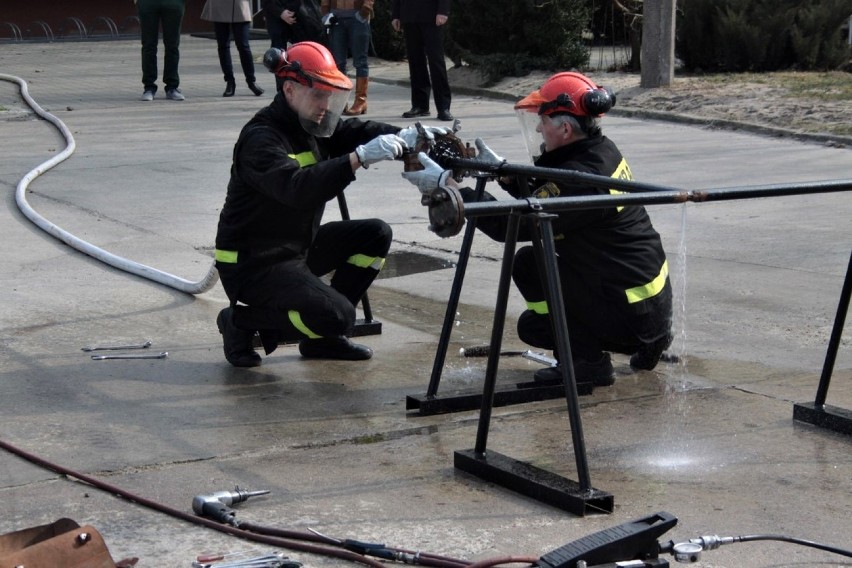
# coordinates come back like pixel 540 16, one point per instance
pixel 486 154
pixel 410 134
pixel 431 177
pixel 384 147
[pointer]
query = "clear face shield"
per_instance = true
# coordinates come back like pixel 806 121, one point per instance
pixel 319 110
pixel 530 129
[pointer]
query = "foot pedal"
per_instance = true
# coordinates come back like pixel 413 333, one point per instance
pixel 634 540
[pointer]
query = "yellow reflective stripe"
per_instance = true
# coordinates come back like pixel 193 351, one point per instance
pixel 228 256
pixel 650 289
pixel 296 320
pixel 305 159
pixel 621 172
pixel 364 261
pixel 538 307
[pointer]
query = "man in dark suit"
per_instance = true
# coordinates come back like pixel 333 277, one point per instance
pixel 422 22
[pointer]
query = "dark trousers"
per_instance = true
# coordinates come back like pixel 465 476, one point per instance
pixel 240 31
pixel 596 322
pixel 351 34
pixel 152 13
pixel 284 299
pixel 427 68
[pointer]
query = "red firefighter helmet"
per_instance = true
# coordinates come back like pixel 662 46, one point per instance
pixel 571 93
pixel 308 63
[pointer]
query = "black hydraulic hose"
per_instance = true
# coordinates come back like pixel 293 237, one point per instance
pixel 793 540
pixel 382 551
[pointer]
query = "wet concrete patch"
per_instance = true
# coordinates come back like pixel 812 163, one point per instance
pixel 405 263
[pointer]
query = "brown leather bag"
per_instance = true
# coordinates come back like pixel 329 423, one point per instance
pixel 61 544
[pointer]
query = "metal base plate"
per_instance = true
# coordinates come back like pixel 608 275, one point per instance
pixel 460 401
pixel 364 327
pixel 830 417
pixel 542 485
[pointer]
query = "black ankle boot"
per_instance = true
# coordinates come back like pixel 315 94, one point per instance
pixel 254 88
pixel 237 343
pixel 230 89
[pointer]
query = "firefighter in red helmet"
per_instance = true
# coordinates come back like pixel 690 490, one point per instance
pixel 612 266
pixel 290 159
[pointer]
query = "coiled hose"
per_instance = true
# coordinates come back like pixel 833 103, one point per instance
pixel 85 247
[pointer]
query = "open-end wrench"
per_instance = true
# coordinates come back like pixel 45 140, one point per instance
pixel 160 355
pixel 145 345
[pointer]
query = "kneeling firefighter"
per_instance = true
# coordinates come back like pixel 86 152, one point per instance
pixel 290 159
pixel 612 266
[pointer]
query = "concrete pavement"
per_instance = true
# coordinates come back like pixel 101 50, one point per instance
pixel 711 440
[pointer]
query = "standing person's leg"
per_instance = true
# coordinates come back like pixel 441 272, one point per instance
pixel 241 39
pixel 277 36
pixel 223 44
pixel 418 71
pixel 339 43
pixel 359 44
pixel 149 28
pixel 172 17
pixel 433 42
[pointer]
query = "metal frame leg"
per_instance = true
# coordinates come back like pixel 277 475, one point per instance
pixel 520 476
pixel 819 413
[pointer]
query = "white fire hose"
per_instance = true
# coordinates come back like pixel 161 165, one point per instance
pixel 104 256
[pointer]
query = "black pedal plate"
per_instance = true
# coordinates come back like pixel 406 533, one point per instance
pixel 634 540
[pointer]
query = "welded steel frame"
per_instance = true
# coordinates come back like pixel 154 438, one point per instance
pixel 434 403
pixel 818 412
pixel 576 497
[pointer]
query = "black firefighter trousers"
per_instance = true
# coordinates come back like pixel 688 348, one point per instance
pixel 596 323
pixel 287 300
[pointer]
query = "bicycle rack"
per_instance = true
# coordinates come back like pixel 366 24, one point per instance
pixel 16 31
pixel 45 28
pixel 77 22
pixel 108 22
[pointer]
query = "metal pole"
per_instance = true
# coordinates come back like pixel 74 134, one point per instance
pixel 453 303
pixel 560 325
pixel 497 334
pixel 834 341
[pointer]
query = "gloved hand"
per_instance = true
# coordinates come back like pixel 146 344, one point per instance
pixel 384 147
pixel 431 177
pixel 410 134
pixel 486 154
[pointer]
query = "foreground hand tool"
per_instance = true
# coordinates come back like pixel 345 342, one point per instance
pixel 145 345
pixel 217 505
pixel 160 355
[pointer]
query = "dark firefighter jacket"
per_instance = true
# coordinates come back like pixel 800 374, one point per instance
pixel 615 250
pixel 281 179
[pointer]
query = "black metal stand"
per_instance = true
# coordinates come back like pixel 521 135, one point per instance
pixel 432 403
pixel 819 413
pixel 575 497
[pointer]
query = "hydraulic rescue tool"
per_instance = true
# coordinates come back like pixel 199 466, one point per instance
pixel 217 505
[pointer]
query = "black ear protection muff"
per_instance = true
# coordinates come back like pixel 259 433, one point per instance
pixel 593 103
pixel 275 59
pixel 598 101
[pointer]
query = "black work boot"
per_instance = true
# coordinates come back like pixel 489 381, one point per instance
pixel 334 348
pixel 600 373
pixel 238 343
pixel 649 354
